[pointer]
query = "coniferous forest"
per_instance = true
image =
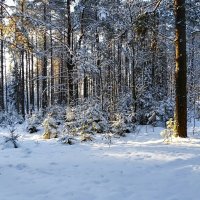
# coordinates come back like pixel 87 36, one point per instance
pixel 120 55
pixel 102 72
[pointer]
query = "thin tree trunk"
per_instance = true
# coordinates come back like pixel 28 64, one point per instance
pixel 44 67
pixel 27 82
pixel 22 96
pixel 52 70
pixel 37 80
pixel 2 107
pixel 134 98
pixel 32 100
pixel 119 71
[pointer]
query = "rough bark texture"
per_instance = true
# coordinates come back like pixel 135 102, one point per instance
pixel 181 69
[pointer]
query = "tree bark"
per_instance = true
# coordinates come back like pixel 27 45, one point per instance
pixel 44 67
pixel 22 95
pixel 2 107
pixel 70 65
pixel 181 69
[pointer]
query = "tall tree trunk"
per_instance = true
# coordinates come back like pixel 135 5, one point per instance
pixel 27 82
pixel 22 78
pixel 2 63
pixel 70 65
pixel 154 48
pixel 22 96
pixel 181 69
pixel 114 85
pixel 52 69
pixel 133 85
pixel 44 67
pixel 37 80
pixel 32 95
pixel 119 71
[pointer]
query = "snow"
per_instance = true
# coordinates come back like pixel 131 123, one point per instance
pixel 139 166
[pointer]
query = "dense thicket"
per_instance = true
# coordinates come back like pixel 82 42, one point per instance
pixel 120 53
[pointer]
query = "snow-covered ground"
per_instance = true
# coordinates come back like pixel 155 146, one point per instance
pixel 138 167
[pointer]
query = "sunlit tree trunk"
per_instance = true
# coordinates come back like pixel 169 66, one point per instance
pixel 1 63
pixel 181 69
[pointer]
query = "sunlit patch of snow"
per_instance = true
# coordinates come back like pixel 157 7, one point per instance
pixel 139 166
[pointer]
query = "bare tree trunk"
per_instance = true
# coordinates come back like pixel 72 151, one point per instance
pixel 2 107
pixel 85 86
pixel 32 100
pixel 52 70
pixel 70 65
pixel 22 74
pixel 133 85
pixel 44 67
pixel 37 80
pixel 22 96
pixel 154 49
pixel 27 81
pixel 181 69
pixel 114 88
pixel 119 72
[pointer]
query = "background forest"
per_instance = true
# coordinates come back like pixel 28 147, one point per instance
pixel 103 61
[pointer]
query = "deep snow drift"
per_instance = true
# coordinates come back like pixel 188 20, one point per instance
pixel 138 167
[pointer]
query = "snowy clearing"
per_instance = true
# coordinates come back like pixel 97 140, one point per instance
pixel 139 167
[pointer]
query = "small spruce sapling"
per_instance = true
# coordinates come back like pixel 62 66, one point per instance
pixel 33 122
pixel 50 127
pixel 169 131
pixel 12 139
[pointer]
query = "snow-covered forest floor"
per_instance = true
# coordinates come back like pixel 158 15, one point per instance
pixel 137 167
